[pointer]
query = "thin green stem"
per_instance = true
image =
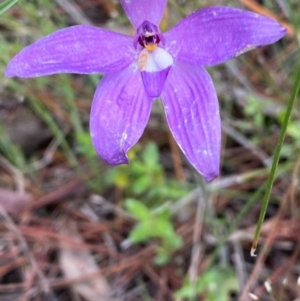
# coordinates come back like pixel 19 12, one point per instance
pixel 7 5
pixel 272 175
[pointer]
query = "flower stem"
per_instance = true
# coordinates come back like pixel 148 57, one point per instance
pixel 271 177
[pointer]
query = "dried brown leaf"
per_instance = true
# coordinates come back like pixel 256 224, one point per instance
pixel 14 202
pixel 76 263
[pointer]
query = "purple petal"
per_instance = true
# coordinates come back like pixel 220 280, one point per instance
pixel 154 82
pixel 77 49
pixel 119 114
pixel 192 111
pixel 144 10
pixel 155 66
pixel 213 35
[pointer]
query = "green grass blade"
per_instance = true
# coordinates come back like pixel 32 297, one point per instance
pixel 272 175
pixel 7 4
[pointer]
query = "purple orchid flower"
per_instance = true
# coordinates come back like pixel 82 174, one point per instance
pixel 151 65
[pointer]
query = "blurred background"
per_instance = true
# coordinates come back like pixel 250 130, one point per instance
pixel 74 228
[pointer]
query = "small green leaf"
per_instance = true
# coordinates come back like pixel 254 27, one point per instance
pixel 141 185
pixel 214 284
pixel 164 214
pixel 85 146
pixel 142 232
pixel 150 155
pixel 7 4
pixel 137 209
pixel 164 228
pixel 138 167
pixel 173 241
pixel 162 257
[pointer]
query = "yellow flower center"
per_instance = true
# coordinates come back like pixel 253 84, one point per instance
pixel 151 47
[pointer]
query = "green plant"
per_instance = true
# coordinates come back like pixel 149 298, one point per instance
pixel 154 224
pixel 215 284
pixel 144 178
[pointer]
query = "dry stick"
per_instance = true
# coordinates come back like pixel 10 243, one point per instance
pixel 47 158
pixel 248 144
pixel 161 294
pixel 130 262
pixel 61 193
pixel 270 239
pixel 18 176
pixel 47 236
pixel 151 273
pixel 74 11
pixel 221 183
pixel 238 258
pixel 283 268
pixel 52 106
pixel 27 252
pixel 284 7
pixel 29 289
pixel 295 184
pixel 176 157
pixel 118 267
pixel 10 266
pixel 98 199
pixel 197 250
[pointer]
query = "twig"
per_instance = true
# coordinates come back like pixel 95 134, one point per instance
pixel 62 192
pixel 16 173
pixel 97 199
pixel 47 158
pixel 176 157
pixel 238 258
pixel 222 183
pixel 237 136
pixel 27 252
pixel 74 11
pixel 197 249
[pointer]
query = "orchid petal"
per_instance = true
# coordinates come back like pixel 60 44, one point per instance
pixel 141 10
pixel 155 66
pixel 119 114
pixel 213 35
pixel 192 112
pixel 154 82
pixel 78 49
